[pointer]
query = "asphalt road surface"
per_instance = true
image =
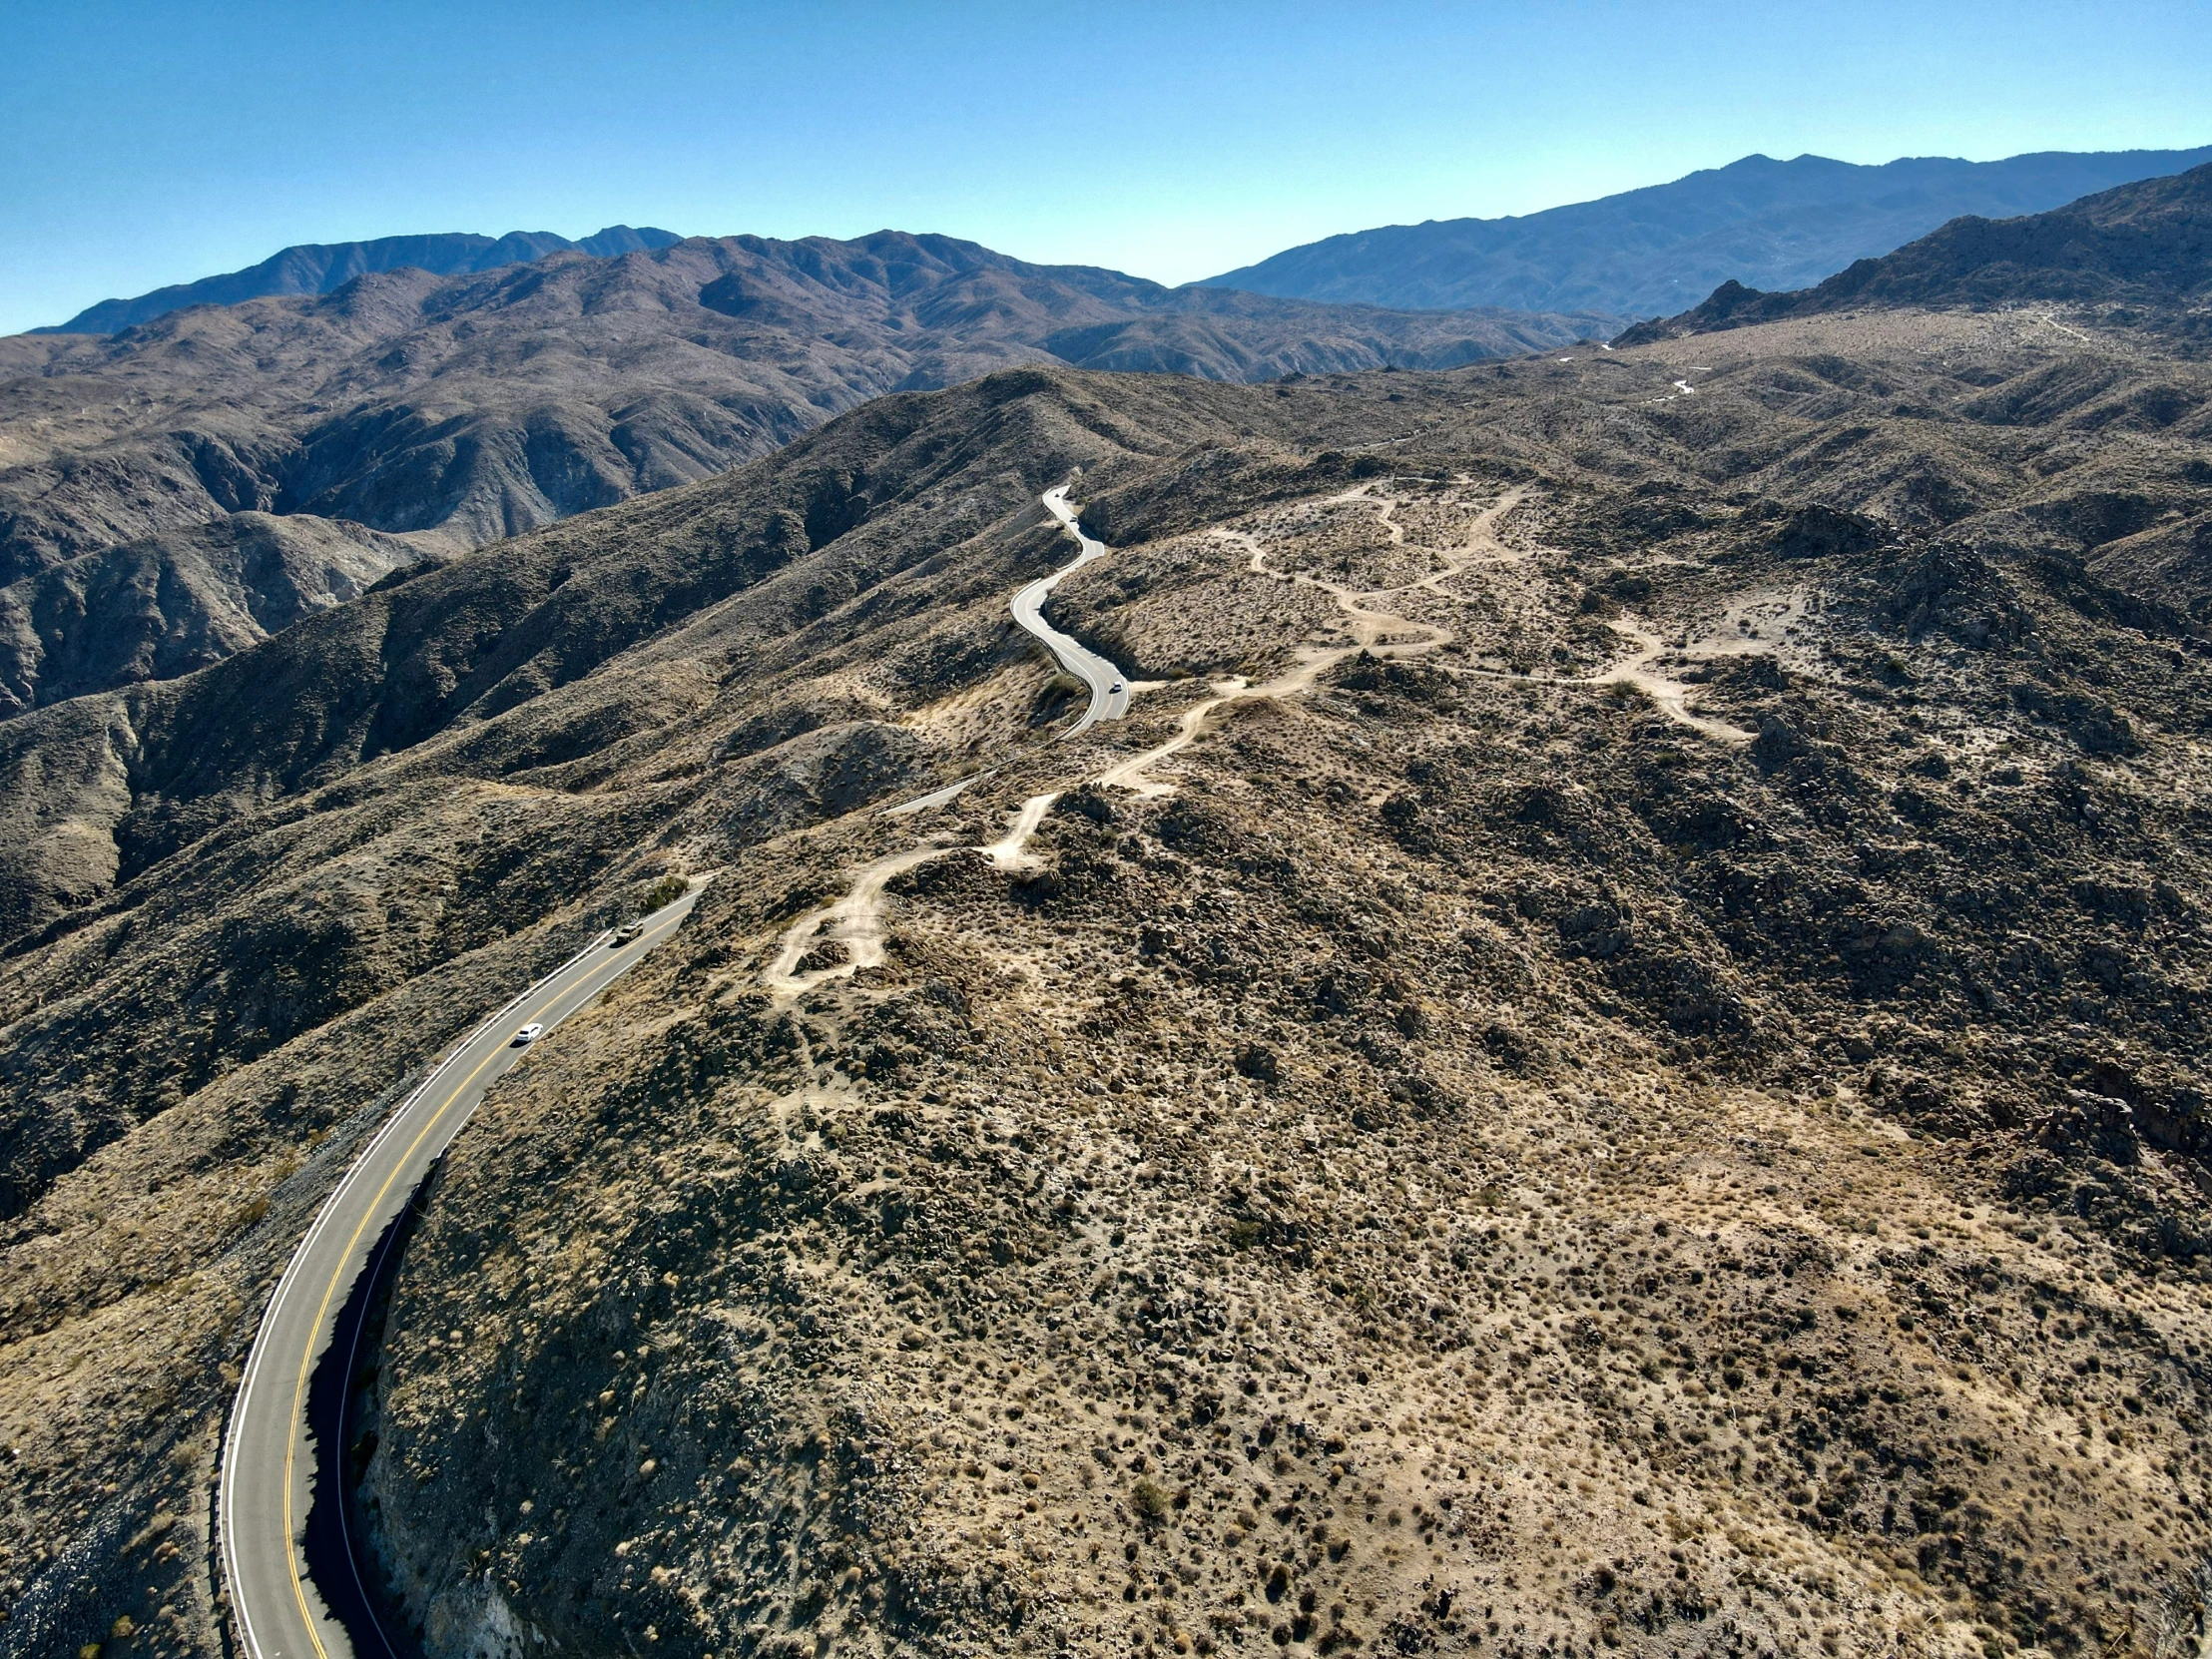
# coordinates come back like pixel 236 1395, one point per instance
pixel 268 1460
pixel 1109 689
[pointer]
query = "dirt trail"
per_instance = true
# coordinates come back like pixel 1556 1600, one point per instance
pixel 1671 697
pixel 1482 547
pixel 1196 721
pixel 1381 632
pixel 856 919
pixel 1363 493
pixel 1006 853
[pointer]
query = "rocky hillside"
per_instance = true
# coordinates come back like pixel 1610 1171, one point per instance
pixel 2139 255
pixel 171 603
pixel 457 410
pixel 1612 1056
pixel 1758 221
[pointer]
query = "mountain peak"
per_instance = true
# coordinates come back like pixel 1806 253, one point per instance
pixel 1772 225
pixel 324 267
pixel 2149 242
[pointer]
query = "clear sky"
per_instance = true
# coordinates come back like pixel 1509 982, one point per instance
pixel 144 144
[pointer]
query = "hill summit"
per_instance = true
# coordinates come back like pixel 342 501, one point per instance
pixel 2143 252
pixel 326 266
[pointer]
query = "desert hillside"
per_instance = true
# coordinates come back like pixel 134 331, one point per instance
pixel 1611 1058
pixel 2137 256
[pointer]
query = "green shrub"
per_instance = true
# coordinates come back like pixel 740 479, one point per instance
pixel 666 890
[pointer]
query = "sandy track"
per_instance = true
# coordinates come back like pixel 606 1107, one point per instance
pixel 1381 633
pixel 856 919
pixel 1482 547
pixel 1670 697
pixel 1006 853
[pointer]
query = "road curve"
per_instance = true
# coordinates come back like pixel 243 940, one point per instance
pixel 1109 688
pixel 268 1460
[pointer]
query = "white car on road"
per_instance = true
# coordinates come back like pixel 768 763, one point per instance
pixel 528 1034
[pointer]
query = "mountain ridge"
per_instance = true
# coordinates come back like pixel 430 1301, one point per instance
pixel 1758 221
pixel 2147 243
pixel 1637 939
pixel 323 267
pixel 457 410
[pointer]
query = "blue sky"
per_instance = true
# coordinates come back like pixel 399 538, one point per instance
pixel 144 144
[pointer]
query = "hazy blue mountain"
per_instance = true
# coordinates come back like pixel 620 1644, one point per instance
pixel 322 267
pixel 1766 224
pixel 2143 250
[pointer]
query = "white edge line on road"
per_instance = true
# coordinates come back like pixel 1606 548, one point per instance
pixel 303 1250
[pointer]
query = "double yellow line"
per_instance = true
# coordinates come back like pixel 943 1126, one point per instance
pixel 337 1277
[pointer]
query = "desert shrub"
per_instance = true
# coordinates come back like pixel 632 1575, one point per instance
pixel 666 890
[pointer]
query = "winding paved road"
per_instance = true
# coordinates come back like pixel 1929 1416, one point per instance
pixel 1109 690
pixel 268 1459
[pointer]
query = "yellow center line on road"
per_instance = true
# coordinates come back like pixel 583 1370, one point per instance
pixel 306 1363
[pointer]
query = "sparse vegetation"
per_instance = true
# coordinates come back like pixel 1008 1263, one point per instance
pixel 664 891
pixel 1454 1157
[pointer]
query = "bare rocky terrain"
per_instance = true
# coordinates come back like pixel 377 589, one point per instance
pixel 459 409
pixel 1610 1059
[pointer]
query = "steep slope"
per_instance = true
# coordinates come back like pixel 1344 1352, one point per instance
pixel 2139 255
pixel 1758 221
pixel 172 603
pixel 482 405
pixel 1598 1058
pixel 323 267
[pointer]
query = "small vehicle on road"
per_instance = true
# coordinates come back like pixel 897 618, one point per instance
pixel 528 1034
pixel 1114 689
pixel 626 932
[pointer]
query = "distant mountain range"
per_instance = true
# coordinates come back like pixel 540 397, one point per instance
pixel 1763 223
pixel 188 471
pixel 1766 224
pixel 447 411
pixel 324 267
pixel 2143 245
